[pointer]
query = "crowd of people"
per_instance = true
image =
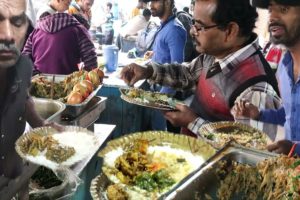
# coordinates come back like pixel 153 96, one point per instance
pixel 229 77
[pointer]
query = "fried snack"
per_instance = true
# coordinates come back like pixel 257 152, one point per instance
pixel 115 192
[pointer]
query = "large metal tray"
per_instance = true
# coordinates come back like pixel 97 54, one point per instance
pixel 90 114
pixel 75 110
pixel 205 181
pixel 49 109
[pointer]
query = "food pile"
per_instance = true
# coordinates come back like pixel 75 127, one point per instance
pixel 36 144
pixel 275 178
pixel 141 171
pixel 242 134
pixel 74 89
pixel 150 98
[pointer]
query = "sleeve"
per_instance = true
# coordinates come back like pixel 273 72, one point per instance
pixel 87 50
pixel 196 124
pixel 297 149
pixel 273 116
pixel 179 76
pixel 27 50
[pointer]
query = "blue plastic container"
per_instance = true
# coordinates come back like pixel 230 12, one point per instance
pixel 110 54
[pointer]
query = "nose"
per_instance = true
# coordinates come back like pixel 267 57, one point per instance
pixel 6 32
pixel 193 31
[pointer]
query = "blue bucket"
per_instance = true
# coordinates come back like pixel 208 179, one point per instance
pixel 110 54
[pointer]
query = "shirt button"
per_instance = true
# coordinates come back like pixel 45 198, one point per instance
pixel 2 157
pixel 213 95
pixel 2 136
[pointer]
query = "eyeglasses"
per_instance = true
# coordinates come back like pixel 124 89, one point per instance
pixel 202 27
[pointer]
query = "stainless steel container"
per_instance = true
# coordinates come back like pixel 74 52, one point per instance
pixel 205 181
pixel 49 109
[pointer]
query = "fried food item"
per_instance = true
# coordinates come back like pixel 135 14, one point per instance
pixel 115 192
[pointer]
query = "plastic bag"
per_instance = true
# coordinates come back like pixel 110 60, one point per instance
pixel 69 183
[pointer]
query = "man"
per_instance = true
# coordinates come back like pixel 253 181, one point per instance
pixel 137 10
pixel 107 25
pixel 52 7
pixel 168 47
pixel 132 27
pixel 58 44
pixel 284 27
pixel 231 65
pixel 82 7
pixel 16 105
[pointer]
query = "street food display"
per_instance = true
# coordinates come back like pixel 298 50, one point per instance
pixel 48 147
pixel 274 178
pixel 71 89
pixel 148 99
pixel 147 165
pixel 220 133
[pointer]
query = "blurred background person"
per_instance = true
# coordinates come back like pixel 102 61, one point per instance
pixel 107 25
pixel 53 6
pixel 137 10
pixel 58 44
pixel 82 7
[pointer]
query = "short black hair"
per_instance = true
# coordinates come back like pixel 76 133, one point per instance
pixel 238 11
pixel 146 12
pixel 186 9
pixel 109 5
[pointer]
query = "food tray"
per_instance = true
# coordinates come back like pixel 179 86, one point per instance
pixel 70 139
pixel 205 181
pixel 158 138
pixel 75 110
pixel 153 105
pixel 255 138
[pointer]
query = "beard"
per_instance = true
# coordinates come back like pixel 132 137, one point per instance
pixel 158 12
pixel 290 38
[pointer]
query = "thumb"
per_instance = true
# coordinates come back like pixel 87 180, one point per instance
pixel 272 147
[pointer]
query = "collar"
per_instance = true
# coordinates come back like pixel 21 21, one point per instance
pixel 167 21
pixel 228 63
pixel 14 77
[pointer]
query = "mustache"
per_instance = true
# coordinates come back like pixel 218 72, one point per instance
pixel 10 47
pixel 276 24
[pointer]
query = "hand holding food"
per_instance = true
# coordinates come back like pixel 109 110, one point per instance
pixel 243 108
pixel 133 73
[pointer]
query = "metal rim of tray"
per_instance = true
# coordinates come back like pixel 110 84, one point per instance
pixel 157 106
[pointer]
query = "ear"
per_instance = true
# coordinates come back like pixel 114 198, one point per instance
pixel 232 31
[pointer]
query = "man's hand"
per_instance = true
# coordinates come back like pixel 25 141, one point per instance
pixel 133 73
pixel 244 108
pixel 281 146
pixel 182 116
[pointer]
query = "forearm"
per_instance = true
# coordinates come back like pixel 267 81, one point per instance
pixel 178 76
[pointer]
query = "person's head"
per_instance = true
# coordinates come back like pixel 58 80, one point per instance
pixel 13 27
pixel 108 6
pixel 284 20
pixel 60 5
pixel 141 4
pixel 147 14
pixel 161 8
pixel 222 26
pixel 186 9
pixel 85 5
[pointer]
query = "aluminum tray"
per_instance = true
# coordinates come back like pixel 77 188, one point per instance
pixel 75 110
pixel 90 114
pixel 205 181
pixel 49 109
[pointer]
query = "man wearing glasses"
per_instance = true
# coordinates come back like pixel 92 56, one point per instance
pixel 230 67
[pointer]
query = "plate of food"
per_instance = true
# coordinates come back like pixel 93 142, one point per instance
pixel 47 147
pixel 147 165
pixel 220 133
pixel 148 99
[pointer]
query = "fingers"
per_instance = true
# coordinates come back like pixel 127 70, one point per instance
pixel 272 147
